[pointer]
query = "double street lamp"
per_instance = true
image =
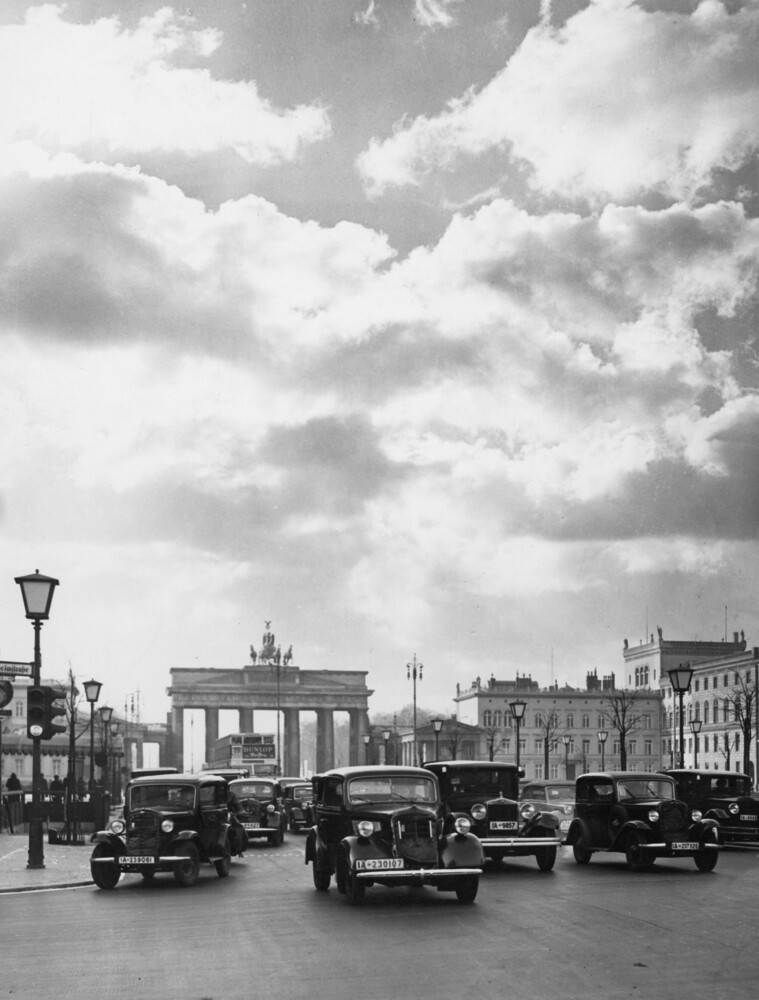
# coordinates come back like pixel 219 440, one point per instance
pixel 367 741
pixel 518 709
pixel 695 728
pixel 603 735
pixel 680 678
pixel 37 591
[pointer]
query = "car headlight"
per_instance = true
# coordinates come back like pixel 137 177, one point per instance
pixel 696 815
pixel 118 826
pixel 364 828
pixel 527 811
pixel 270 808
pixel 653 815
pixel 479 811
pixel 734 808
pixel 167 825
pixel 462 824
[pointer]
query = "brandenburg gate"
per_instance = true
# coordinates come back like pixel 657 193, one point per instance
pixel 272 685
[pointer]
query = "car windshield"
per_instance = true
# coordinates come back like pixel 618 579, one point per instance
pixel 488 782
pixel 401 788
pixel 730 784
pixel 560 793
pixel 301 794
pixel 163 796
pixel 645 788
pixel 252 789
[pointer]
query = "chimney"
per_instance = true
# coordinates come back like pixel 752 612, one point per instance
pixel 735 637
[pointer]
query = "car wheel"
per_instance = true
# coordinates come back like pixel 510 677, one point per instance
pixel 148 876
pixel 187 872
pixel 355 890
pixel 223 865
pixel 340 869
pixel 466 892
pixel 706 860
pixel 546 858
pixel 582 854
pixel 104 876
pixel 322 877
pixel 634 854
pixel 276 840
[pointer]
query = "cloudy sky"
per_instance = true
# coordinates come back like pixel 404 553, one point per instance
pixel 414 326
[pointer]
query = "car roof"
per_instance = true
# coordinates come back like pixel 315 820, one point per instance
pixel 618 775
pixel 254 777
pixel 460 765
pixel 677 771
pixel 371 769
pixel 187 779
pixel 542 782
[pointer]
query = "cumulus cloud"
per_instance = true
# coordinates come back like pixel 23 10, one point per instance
pixel 102 89
pixel 617 101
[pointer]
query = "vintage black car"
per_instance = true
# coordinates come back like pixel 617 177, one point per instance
pixel 296 803
pixel 258 811
pixel 383 825
pixel 724 796
pixel 487 792
pixel 557 797
pixel 171 822
pixel 639 815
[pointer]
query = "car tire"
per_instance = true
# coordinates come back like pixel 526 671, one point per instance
pixel 634 855
pixel 546 858
pixel 582 854
pixel 706 860
pixel 355 890
pixel 466 892
pixel 340 869
pixel 223 865
pixel 148 876
pixel 187 872
pixel 322 877
pixel 276 840
pixel 105 876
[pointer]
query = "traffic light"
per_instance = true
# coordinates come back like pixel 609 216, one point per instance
pixel 42 710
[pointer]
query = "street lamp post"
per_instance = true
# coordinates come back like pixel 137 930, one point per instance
pixel 37 592
pixel 437 725
pixel 115 727
pixel 92 693
pixel 105 717
pixel 367 741
pixel 414 670
pixel 603 735
pixel 566 739
pixel 518 709
pixel 695 728
pixel 386 738
pixel 680 678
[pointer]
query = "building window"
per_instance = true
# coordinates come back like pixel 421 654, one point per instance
pixel 507 747
pixel 724 681
pixel 570 720
pixel 716 710
pixel 585 721
pixel 487 718
pixel 497 719
pixel 586 747
pixel 539 771
pixel 648 747
pixel 737 742
pixel 554 769
pixel 632 747
pixel 538 746
pixel 696 688
pixel 19 710
pixel 19 765
pixel 57 766
pixel 706 744
pixel 706 712
pixel 538 720
pixel 615 747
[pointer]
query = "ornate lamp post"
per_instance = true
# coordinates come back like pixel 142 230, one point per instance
pixel 414 670
pixel 603 735
pixel 367 741
pixel 518 709
pixel 92 693
pixel 115 727
pixel 437 725
pixel 680 678
pixel 37 591
pixel 105 717
pixel 695 728
pixel 566 739
pixel 386 738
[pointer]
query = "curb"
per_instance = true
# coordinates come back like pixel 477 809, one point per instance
pixel 43 888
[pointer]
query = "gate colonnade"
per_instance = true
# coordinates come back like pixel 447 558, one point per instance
pixel 277 688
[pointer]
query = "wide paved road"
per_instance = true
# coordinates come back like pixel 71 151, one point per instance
pixel 578 932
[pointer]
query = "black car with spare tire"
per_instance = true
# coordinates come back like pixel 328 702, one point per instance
pixel 171 823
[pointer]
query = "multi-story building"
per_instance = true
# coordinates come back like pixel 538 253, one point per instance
pixel 722 698
pixel 560 726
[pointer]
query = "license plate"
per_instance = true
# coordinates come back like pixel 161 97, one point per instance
pixel 138 859
pixel 748 819
pixel 252 826
pixel 378 864
pixel 503 824
pixel 565 824
pixel 686 845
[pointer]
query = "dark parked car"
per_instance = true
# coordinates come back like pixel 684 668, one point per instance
pixel 639 815
pixel 296 802
pixel 382 825
pixel 172 822
pixel 557 797
pixel 487 792
pixel 724 796
pixel 259 811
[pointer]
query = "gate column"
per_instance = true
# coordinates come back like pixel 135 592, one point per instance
pixel 177 738
pixel 325 739
pixel 246 720
pixel 212 732
pixel 292 741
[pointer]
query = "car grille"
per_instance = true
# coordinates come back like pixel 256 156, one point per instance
pixel 142 833
pixel 673 820
pixel 415 839
pixel 501 809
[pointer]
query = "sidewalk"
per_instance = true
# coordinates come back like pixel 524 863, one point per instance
pixel 65 866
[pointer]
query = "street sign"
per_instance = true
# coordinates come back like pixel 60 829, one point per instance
pixel 11 668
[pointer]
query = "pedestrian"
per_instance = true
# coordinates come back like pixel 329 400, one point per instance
pixel 13 784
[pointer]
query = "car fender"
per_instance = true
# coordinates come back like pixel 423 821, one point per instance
pixel 546 820
pixel 317 851
pixel 705 830
pixel 106 837
pixel 720 815
pixel 638 825
pixel 362 847
pixel 461 850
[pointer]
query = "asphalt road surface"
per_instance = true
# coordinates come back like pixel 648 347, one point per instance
pixel 595 931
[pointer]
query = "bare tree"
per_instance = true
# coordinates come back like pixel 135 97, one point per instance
pixel 729 743
pixel 622 712
pixel 494 740
pixel 551 729
pixel 742 700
